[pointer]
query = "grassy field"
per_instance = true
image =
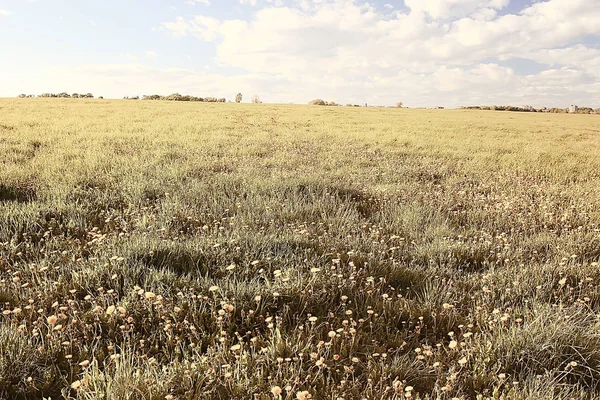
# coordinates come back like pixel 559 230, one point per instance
pixel 159 250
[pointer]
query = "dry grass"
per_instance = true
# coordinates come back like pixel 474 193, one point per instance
pixel 223 251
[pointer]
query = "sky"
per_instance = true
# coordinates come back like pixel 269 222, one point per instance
pixel 425 53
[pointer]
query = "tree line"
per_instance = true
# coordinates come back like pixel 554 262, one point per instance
pixel 63 95
pixel 179 97
pixel 553 110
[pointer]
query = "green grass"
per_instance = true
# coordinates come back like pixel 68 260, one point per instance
pixel 155 249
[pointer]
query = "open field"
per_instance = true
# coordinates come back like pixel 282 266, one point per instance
pixel 219 251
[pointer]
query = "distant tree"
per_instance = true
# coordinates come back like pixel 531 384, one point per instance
pixel 22 96
pixel 597 110
pixel 399 104
pixel 75 95
pixel 101 98
pixel 256 99
pixel 238 98
pixel 317 102
pixel 175 97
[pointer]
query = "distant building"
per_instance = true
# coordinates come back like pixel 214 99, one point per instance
pixel 573 109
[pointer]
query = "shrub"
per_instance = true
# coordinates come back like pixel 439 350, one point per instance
pixel 238 98
pixel 317 102
pixel 399 104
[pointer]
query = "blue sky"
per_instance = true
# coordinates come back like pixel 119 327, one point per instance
pixel 421 52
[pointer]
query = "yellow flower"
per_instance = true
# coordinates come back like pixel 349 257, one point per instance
pixel 276 391
pixel 304 395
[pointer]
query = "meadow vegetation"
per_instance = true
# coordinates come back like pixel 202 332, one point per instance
pixel 178 250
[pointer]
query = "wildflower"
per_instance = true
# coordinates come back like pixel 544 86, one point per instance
pixel 76 385
pixel 276 390
pixel 331 334
pixel 149 295
pixel 84 363
pixel 235 347
pixel 213 288
pixel 110 310
pixel 304 395
pixel 462 361
pixel 453 344
pixel 52 319
pixel 562 281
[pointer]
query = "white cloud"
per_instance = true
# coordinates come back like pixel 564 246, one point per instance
pixel 440 50
pixel 194 2
pixel 448 9
pixel 450 53
pixel 4 13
